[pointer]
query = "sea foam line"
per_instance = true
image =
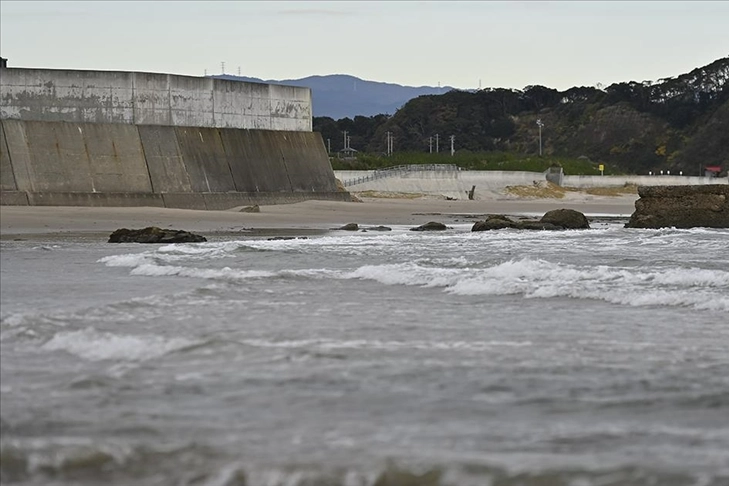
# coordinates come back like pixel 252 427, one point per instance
pixel 93 345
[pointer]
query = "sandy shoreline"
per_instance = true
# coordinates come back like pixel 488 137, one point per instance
pixel 299 218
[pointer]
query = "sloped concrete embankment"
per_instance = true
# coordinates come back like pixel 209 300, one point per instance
pixel 681 207
pixel 454 184
pixel 90 164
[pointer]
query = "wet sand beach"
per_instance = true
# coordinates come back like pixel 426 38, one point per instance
pixel 306 216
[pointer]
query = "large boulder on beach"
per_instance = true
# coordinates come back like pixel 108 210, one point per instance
pixel 566 218
pixel 681 207
pixel 430 226
pixel 154 234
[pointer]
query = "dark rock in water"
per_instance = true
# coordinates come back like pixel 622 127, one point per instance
pixel 538 225
pixel 349 227
pixel 556 220
pixel 153 234
pixel 566 218
pixel 377 228
pixel 494 222
pixel 430 226
pixel 681 207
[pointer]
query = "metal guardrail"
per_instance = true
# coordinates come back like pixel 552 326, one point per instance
pixel 399 169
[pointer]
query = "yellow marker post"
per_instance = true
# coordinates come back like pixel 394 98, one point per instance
pixel 602 168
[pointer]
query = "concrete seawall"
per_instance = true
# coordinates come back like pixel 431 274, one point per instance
pixel 95 164
pixel 135 98
pixel 108 138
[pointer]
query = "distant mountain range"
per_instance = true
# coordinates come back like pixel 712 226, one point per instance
pixel 342 96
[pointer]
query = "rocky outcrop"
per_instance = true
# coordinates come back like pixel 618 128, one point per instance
pixel 558 219
pixel 566 218
pixel 154 234
pixel 349 227
pixel 681 207
pixel 430 226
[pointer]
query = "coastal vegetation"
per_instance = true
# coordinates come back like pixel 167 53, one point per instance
pixel 678 124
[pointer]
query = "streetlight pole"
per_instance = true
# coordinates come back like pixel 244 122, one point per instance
pixel 540 125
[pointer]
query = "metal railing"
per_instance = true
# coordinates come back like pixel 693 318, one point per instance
pixel 398 170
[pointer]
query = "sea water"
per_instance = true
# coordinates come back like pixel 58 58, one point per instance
pixel 595 357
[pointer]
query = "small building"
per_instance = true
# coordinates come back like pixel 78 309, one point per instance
pixel 712 171
pixel 3 62
pixel 347 153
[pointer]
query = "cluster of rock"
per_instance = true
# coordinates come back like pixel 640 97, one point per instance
pixel 681 207
pixel 356 227
pixel 557 219
pixel 154 234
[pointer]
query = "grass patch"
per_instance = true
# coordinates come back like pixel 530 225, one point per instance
pixel 541 190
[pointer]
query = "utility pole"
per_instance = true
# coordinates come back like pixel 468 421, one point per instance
pixel 329 146
pixel 453 150
pixel 222 67
pixel 430 144
pixel 437 150
pixel 540 125
pixel 389 144
pixel 345 140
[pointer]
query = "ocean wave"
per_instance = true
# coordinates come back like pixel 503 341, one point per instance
pixel 334 344
pixel 536 278
pixel 93 345
pixel 87 462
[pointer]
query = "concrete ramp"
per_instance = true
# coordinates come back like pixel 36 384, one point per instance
pixel 205 159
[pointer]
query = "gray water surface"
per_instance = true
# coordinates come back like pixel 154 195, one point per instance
pixel 596 357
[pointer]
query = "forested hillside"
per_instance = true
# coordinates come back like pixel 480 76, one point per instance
pixel 678 124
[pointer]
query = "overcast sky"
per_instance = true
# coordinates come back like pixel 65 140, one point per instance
pixel 461 44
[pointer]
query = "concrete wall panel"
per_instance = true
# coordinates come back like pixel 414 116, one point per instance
pixel 152 99
pixel 166 168
pixel 307 162
pixel 59 160
pixel 191 101
pixel 13 198
pixel 184 201
pixel 7 178
pixel 99 199
pixel 19 153
pixel 205 159
pixel 255 161
pixel 116 158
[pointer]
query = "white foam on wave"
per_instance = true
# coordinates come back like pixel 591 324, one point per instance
pixel 127 260
pixel 635 286
pixel 334 344
pixel 227 273
pixel 93 345
pixel 407 274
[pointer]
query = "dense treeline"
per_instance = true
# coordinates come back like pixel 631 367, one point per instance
pixel 679 123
